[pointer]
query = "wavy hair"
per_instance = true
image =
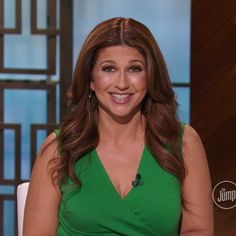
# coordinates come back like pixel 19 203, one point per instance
pixel 79 130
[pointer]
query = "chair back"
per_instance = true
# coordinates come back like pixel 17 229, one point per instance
pixel 22 190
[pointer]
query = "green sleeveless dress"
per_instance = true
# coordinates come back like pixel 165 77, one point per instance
pixel 151 208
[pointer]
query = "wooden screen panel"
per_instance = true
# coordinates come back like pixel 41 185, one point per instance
pixel 51 32
pixel 213 95
pixel 9 182
pixel 51 117
pixel 18 25
pixel 33 137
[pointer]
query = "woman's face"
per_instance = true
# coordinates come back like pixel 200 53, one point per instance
pixel 119 81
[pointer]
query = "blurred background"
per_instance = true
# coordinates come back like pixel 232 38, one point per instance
pixel 39 44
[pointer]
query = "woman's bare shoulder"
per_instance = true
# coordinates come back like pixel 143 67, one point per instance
pixel 193 151
pixel 48 152
pixel 196 186
pixel 49 148
pixel 190 134
pixel 44 196
pixel 192 143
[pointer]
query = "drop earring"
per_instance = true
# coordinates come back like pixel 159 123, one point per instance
pixel 90 94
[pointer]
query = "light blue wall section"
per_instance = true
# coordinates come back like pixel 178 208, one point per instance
pixel 25 107
pixel 183 95
pixel 168 20
pixel 9 217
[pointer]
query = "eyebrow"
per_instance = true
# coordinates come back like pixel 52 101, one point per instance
pixel 106 61
pixel 131 61
pixel 135 60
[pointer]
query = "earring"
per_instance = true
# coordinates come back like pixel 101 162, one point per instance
pixel 90 94
pixel 92 100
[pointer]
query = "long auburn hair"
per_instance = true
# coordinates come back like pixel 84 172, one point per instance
pixel 79 130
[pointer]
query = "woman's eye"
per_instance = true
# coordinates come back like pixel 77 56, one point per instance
pixel 108 68
pixel 135 69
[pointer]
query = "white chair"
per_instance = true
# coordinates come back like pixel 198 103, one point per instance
pixel 22 190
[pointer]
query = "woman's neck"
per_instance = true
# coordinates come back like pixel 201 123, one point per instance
pixel 112 131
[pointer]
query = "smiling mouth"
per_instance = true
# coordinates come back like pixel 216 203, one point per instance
pixel 121 97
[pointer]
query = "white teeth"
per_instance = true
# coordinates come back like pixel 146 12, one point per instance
pixel 120 96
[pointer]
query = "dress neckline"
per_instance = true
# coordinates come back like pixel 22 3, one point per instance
pixel 108 179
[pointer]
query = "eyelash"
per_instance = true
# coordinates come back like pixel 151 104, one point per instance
pixel 108 68
pixel 134 69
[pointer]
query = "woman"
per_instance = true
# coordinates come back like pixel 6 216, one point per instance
pixel 121 163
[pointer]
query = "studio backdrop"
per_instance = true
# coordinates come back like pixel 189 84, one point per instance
pixel 39 43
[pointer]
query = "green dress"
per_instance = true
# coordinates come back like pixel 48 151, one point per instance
pixel 153 207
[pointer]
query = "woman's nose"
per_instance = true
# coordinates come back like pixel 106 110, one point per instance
pixel 122 81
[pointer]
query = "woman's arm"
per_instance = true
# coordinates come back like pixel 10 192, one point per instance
pixel 198 218
pixel 42 204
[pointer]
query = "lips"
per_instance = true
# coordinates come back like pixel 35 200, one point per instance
pixel 121 98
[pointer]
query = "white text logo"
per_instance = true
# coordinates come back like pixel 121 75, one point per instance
pixel 224 194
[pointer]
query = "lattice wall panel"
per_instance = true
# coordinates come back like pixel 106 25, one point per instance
pixel 16 136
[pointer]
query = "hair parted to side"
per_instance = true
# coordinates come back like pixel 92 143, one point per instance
pixel 79 131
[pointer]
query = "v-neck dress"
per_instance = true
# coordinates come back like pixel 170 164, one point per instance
pixel 152 208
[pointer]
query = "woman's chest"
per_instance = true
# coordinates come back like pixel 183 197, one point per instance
pixel 121 166
pixel 152 208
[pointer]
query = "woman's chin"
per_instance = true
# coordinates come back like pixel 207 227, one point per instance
pixel 121 114
pixel 124 117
